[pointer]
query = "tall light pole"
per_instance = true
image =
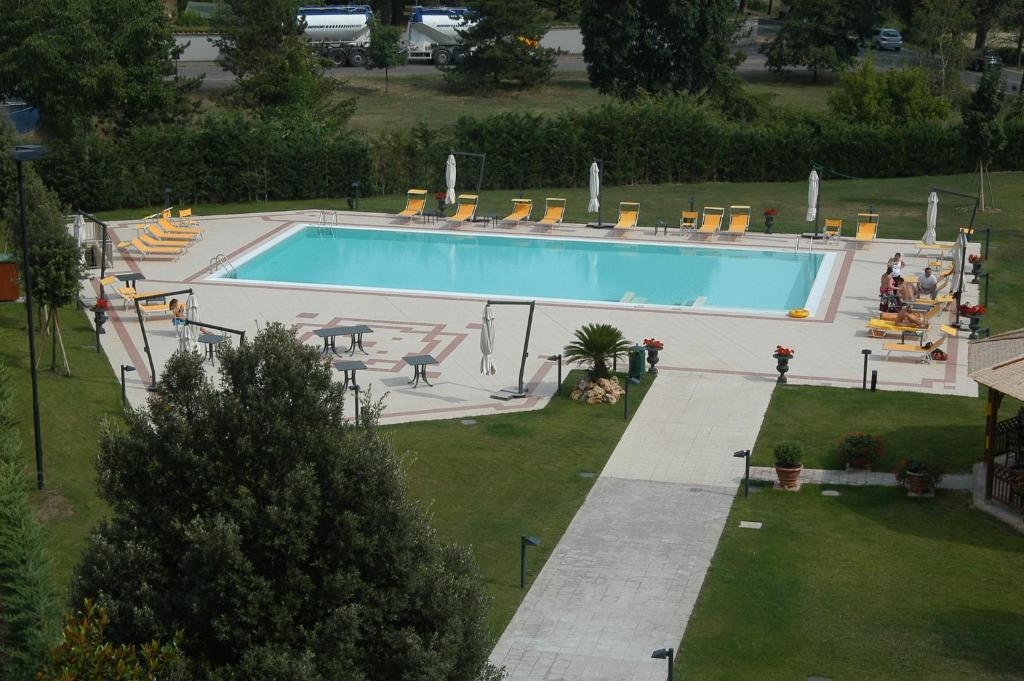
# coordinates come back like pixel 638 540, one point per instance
pixel 20 154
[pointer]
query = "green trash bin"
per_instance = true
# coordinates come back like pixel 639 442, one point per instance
pixel 636 362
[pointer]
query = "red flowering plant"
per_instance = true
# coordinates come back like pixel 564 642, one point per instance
pixel 653 344
pixel 969 310
pixel 975 258
pixel 781 351
pixel 771 212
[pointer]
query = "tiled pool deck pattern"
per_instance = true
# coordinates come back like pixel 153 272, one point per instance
pixel 623 580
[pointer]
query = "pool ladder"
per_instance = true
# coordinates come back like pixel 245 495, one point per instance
pixel 220 261
pixel 328 219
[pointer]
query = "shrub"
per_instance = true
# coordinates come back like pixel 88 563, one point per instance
pixel 789 454
pixel 595 345
pixel 860 450
pixel 920 467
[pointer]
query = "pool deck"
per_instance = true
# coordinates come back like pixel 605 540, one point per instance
pixel 828 345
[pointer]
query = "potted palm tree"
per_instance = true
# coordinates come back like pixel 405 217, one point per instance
pixel 595 345
pixel 789 458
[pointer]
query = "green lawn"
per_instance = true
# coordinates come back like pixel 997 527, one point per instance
pixel 509 475
pixel 942 430
pixel 866 586
pixel 72 410
pixel 901 202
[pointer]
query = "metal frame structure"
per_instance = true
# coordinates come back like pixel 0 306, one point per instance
pixel 526 343
pixel 822 168
pixel 483 160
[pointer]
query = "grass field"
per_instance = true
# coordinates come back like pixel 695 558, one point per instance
pixel 509 475
pixel 941 430
pixel 869 585
pixel 72 410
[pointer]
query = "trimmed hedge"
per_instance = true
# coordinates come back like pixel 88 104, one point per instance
pixel 227 157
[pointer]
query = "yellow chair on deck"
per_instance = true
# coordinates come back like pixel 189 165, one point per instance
pixel 923 352
pixel 832 230
pixel 629 215
pixel 739 220
pixel 521 209
pixel 688 221
pixel 158 232
pixel 466 210
pixel 145 250
pixel 867 227
pixel 554 211
pixel 712 221
pixel 186 219
pixel 178 231
pixel 415 202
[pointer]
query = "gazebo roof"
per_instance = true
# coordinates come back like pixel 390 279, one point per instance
pixel 998 362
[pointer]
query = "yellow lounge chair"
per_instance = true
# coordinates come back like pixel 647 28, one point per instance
pixel 867 227
pixel 712 221
pixel 629 214
pixel 179 233
pixel 832 230
pixel 145 250
pixel 415 202
pixel 739 220
pixel 879 327
pixel 924 352
pixel 932 311
pixel 688 221
pixel 186 219
pixel 160 243
pixel 160 234
pixel 554 211
pixel 521 209
pixel 466 210
pixel 157 307
pixel 942 248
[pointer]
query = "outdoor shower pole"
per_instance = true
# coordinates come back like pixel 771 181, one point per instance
pixel 526 342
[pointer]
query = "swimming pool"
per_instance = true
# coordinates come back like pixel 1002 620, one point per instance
pixel 574 269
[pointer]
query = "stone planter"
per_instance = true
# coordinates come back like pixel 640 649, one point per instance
pixel 918 483
pixel 789 477
pixel 975 324
pixel 782 367
pixel 652 359
pixel 975 271
pixel 769 220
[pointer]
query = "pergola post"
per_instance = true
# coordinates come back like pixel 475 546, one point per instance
pixel 995 398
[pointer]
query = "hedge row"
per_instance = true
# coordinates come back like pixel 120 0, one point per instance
pixel 226 157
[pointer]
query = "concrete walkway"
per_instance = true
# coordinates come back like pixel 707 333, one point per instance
pixel 625 576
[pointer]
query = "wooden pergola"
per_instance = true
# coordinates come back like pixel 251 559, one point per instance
pixel 997 363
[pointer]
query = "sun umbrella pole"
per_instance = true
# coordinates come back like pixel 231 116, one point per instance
pixel 526 342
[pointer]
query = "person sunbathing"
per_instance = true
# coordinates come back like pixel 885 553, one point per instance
pixel 907 318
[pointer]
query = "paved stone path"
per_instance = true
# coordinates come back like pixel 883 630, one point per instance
pixel 625 576
pixel 819 476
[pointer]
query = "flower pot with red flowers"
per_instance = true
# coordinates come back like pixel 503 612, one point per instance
pixel 976 262
pixel 653 347
pixel 789 457
pixel 782 356
pixel 860 451
pixel 974 313
pixel 918 477
pixel 769 219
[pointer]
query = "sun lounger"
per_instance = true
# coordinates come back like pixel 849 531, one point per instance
pixel 154 306
pixel 521 209
pixel 171 228
pixel 415 202
pixel 629 214
pixel 867 227
pixel 712 221
pixel 554 211
pixel 466 210
pixel 145 250
pixel 832 230
pixel 160 243
pixel 932 311
pixel 158 232
pixel 924 352
pixel 688 221
pixel 940 247
pixel 186 219
pixel 739 220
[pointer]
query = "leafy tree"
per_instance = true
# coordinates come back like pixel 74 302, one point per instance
pixel 80 60
pixel 29 615
pixel 818 34
pixel 248 513
pixel 941 27
pixel 894 97
pixel 654 46
pixel 561 10
pixel 386 51
pixel 1011 17
pixel 986 13
pixel 84 654
pixel 261 43
pixel 56 270
pixel 501 48
pixel 982 129
pixel 596 344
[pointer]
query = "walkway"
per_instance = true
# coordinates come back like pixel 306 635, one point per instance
pixel 625 576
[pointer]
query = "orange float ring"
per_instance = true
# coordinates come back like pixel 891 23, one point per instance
pixel 799 313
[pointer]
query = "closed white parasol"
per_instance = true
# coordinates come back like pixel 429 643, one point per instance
pixel 812 196
pixel 449 178
pixel 595 188
pixel 487 343
pixel 959 259
pixel 190 332
pixel 931 216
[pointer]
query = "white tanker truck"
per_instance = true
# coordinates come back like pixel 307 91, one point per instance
pixel 342 32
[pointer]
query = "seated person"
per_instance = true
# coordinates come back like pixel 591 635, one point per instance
pixel 177 312
pixel 896 264
pixel 928 284
pixel 907 318
pixel 888 285
pixel 907 292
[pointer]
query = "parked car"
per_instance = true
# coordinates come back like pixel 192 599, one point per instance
pixel 886 39
pixel 982 59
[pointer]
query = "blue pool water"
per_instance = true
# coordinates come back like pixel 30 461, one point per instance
pixel 570 269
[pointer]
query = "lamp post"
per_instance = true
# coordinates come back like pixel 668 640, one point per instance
pixel 167 197
pixel 557 358
pixel 524 541
pixel 864 379
pixel 125 368
pixel 21 154
pixel 745 455
pixel 665 654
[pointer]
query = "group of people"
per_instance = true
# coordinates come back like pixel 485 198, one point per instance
pixel 897 293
